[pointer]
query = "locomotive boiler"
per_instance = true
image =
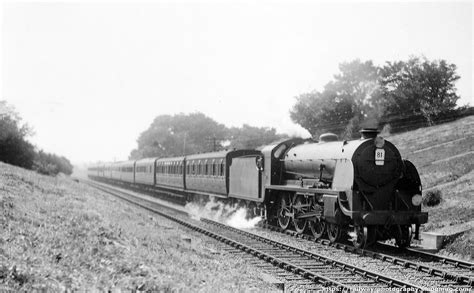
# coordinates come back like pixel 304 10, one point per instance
pixel 361 189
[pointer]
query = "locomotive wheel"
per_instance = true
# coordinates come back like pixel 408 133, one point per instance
pixel 403 236
pixel 334 232
pixel 283 208
pixel 317 227
pixel 364 236
pixel 300 224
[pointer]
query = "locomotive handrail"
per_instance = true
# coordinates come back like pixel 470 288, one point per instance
pixel 304 190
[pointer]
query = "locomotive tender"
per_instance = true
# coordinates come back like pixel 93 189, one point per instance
pixel 360 189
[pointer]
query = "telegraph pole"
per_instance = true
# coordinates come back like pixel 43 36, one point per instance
pixel 184 144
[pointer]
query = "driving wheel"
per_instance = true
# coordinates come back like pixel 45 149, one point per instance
pixel 283 209
pixel 300 207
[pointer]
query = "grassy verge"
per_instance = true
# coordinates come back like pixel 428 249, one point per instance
pixel 444 157
pixel 58 234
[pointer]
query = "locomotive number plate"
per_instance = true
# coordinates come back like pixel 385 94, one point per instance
pixel 379 157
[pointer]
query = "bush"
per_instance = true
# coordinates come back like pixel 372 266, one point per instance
pixel 432 198
pixel 14 148
pixel 51 164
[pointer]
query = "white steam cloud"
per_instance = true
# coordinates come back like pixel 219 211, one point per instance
pixel 219 212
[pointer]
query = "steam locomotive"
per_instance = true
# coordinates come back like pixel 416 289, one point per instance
pixel 359 189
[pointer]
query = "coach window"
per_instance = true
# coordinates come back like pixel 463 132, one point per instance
pixel 221 168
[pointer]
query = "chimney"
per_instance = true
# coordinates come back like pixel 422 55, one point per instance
pixel 369 133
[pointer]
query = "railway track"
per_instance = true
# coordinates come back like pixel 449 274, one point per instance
pixel 305 270
pixel 453 273
pixel 444 272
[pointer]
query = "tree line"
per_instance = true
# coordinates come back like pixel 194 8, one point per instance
pixel 366 95
pixel 184 134
pixel 404 94
pixel 16 150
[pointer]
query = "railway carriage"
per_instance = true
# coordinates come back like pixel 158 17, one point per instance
pixel 107 171
pixel 93 171
pixel 209 172
pixel 115 171
pixel 126 171
pixel 170 173
pixel 145 171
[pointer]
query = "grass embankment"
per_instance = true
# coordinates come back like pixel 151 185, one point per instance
pixel 444 156
pixel 58 234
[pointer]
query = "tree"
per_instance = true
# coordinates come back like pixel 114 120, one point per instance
pixel 51 164
pixel 419 86
pixel 185 134
pixel 361 94
pixel 14 148
pixel 179 135
pixel 250 137
pixel 345 103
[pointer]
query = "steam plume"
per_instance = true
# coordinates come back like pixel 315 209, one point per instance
pixel 223 213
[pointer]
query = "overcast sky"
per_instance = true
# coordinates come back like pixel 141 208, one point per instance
pixel 91 77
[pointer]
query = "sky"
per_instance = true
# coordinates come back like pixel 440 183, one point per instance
pixel 89 78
